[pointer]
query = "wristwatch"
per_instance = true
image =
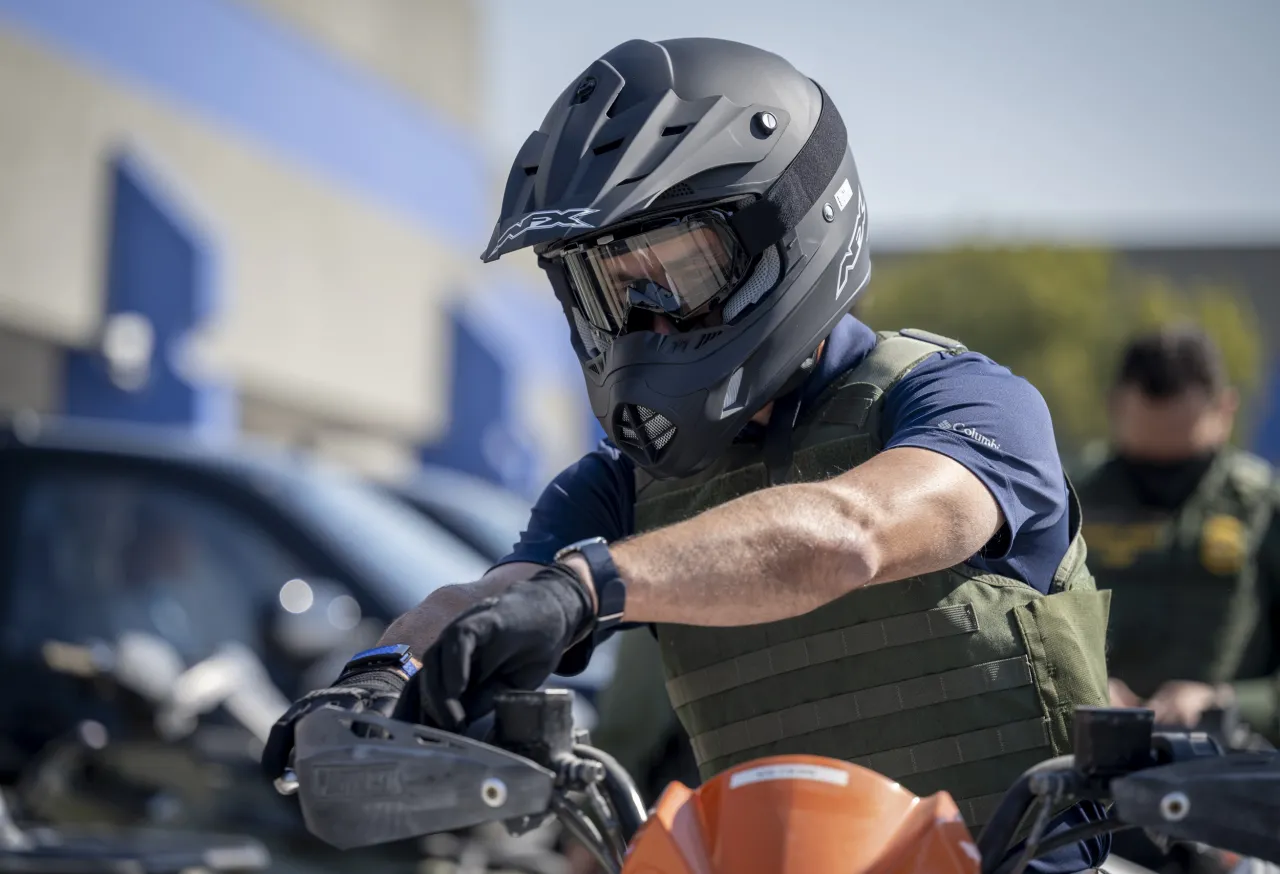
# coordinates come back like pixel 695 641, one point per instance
pixel 611 591
pixel 397 657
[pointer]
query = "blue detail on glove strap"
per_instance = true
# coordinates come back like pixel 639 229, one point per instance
pixel 398 655
pixel 390 649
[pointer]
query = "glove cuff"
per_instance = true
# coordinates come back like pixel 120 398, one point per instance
pixel 566 587
pixel 375 681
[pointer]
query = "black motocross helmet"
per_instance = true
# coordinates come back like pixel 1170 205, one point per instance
pixel 707 182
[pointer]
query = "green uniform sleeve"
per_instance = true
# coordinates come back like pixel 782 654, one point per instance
pixel 635 711
pixel 1258 698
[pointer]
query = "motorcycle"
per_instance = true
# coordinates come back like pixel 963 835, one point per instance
pixel 363 779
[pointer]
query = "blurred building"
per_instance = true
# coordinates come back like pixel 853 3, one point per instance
pixel 265 216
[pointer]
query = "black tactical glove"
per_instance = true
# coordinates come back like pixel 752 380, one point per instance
pixel 370 689
pixel 512 641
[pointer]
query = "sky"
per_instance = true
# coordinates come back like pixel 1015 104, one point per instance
pixel 1119 121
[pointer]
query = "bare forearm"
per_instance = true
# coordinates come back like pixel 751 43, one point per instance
pixel 766 556
pixel 784 551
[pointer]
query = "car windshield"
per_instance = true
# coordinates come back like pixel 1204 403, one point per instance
pixel 411 554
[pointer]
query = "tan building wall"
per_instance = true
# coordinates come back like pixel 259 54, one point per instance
pixel 333 325
pixel 426 48
pixel 332 301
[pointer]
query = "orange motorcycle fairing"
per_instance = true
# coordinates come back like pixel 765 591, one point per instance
pixel 802 815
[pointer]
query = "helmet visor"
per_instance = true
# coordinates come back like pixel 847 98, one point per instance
pixel 679 268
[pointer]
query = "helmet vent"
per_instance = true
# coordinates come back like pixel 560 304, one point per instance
pixel 674 129
pixel 531 171
pixel 607 147
pixel 643 429
pixel 758 284
pixel 594 343
pixel 680 189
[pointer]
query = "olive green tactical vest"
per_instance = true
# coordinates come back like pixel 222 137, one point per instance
pixel 955 680
pixel 1185 600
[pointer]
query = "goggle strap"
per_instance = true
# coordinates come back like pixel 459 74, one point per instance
pixel 766 221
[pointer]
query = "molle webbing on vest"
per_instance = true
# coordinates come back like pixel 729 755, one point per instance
pixel 824 647
pixel 973 746
pixel 955 680
pixel 867 704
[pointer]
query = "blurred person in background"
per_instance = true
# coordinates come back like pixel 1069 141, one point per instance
pixel 854 545
pixel 1181 528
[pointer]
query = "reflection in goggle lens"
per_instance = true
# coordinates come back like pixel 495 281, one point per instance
pixel 680 268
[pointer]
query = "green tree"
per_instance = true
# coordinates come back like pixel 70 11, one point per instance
pixel 1058 317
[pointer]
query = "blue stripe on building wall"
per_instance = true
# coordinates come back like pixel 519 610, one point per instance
pixel 484 437
pixel 240 68
pixel 1266 438
pixel 162 267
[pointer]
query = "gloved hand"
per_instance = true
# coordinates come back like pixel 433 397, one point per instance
pixel 512 641
pixel 371 689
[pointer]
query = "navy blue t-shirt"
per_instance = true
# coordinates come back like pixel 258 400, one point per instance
pixel 966 407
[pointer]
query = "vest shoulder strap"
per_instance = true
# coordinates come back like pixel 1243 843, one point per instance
pixel 896 354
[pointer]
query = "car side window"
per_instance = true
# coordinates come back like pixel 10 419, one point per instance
pixel 100 554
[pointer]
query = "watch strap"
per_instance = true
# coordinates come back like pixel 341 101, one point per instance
pixel 610 590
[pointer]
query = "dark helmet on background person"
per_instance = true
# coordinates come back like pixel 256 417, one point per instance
pixel 708 182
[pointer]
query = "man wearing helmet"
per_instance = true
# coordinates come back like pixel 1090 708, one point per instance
pixel 848 544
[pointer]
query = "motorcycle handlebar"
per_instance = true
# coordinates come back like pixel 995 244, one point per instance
pixel 1109 743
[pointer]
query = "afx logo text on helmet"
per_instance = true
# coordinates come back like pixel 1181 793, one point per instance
pixel 543 220
pixel 850 259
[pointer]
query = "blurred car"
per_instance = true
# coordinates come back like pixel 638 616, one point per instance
pixel 483 515
pixel 107 528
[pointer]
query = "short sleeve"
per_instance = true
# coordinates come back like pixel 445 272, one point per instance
pixel 997 426
pixel 593 497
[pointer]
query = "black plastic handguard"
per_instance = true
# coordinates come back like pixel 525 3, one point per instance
pixel 1231 802
pixel 357 788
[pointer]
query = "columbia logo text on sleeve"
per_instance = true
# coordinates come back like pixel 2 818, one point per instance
pixel 971 433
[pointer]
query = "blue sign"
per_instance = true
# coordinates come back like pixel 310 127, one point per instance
pixel 160 286
pixel 1266 439
pixel 484 437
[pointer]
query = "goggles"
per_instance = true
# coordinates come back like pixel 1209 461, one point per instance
pixel 679 267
